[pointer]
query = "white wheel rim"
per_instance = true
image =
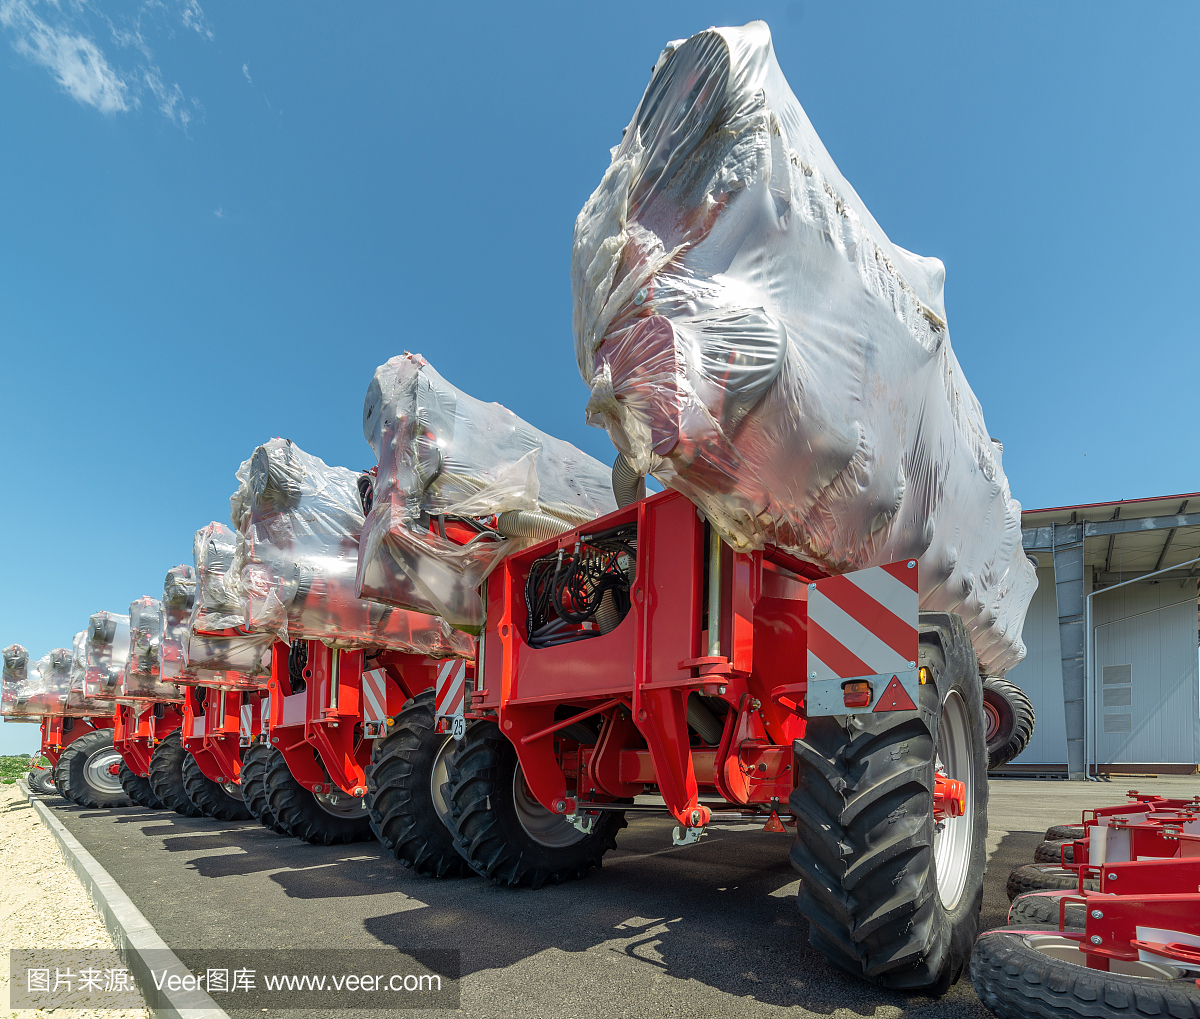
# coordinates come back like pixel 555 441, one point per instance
pixel 439 777
pixel 1067 950
pixel 97 775
pixel 953 837
pixel 553 831
pixel 340 804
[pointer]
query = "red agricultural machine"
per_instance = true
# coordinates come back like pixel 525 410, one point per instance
pixel 1112 927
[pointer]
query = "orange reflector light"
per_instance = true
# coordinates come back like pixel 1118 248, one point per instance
pixel 856 694
pixel 924 674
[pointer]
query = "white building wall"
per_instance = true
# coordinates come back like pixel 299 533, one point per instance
pixel 1147 706
pixel 1040 676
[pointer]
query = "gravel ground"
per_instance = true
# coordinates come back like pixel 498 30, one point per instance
pixel 42 904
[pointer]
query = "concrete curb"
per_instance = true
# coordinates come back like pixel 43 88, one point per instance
pixel 137 942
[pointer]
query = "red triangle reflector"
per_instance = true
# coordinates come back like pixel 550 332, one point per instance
pixel 894 698
pixel 774 824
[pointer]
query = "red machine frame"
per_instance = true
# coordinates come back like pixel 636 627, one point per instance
pixel 53 730
pixel 319 729
pixel 137 728
pixel 638 677
pixel 214 732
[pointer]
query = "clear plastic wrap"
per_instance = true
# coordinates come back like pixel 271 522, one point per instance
pixel 179 595
pixel 107 652
pixel 142 680
pixel 25 692
pixel 86 697
pixel 217 639
pixel 299 521
pixel 753 339
pixel 442 453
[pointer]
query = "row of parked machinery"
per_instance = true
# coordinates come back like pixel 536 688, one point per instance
pixel 490 650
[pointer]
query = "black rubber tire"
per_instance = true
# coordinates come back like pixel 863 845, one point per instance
pixel 1061 832
pixel 1015 720
pixel 166 776
pixel 213 799
pixel 489 830
pixel 404 815
pixel 1032 908
pixel 1017 982
pixel 301 815
pixel 1042 877
pixel 865 831
pixel 1051 852
pixel 41 781
pixel 254 786
pixel 72 778
pixel 138 789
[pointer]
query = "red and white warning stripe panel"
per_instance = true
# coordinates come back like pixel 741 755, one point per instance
pixel 450 695
pixel 374 686
pixel 247 720
pixel 863 626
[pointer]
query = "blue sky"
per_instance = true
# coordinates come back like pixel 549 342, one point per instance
pixel 217 219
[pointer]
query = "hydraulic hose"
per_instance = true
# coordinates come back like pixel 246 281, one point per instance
pixel 627 484
pixel 530 524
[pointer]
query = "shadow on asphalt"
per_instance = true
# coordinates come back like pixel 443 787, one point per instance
pixel 722 912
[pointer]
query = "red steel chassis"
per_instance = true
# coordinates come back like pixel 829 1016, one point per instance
pixel 56 736
pixel 319 729
pixel 137 728
pixel 637 678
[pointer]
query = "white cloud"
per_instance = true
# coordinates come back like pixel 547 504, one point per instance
pixel 62 43
pixel 219 213
pixel 193 18
pixel 246 72
pixel 76 61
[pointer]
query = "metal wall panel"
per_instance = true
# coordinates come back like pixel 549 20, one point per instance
pixel 1040 676
pixel 1147 707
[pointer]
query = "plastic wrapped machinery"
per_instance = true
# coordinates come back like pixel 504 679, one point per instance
pixel 442 453
pixel 107 653
pixel 299 520
pixel 24 692
pixel 69 669
pixel 179 595
pixel 143 673
pixel 753 339
pixel 218 643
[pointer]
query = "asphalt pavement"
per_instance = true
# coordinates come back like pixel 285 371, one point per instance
pixel 704 930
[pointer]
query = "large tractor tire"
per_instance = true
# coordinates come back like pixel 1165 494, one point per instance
pixel 138 789
pixel 409 813
pixel 1009 721
pixel 41 781
pixel 1040 974
pixel 254 786
pixel 166 776
pixel 1053 852
pixel 87 772
pixel 323 821
pixel 223 802
pixel 1065 832
pixel 502 830
pixel 1044 877
pixel 890 895
pixel 1043 907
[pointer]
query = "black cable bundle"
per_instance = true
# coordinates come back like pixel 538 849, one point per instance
pixel 563 594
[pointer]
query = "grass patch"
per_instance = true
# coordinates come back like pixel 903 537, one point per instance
pixel 15 767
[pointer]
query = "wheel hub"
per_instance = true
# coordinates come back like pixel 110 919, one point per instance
pixel 102 771
pixel 953 805
pixel 340 804
pixel 545 828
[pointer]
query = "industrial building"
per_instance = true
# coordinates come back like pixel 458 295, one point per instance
pixel 1112 638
